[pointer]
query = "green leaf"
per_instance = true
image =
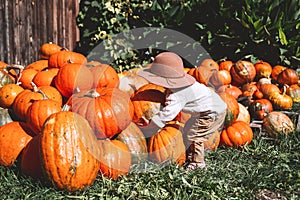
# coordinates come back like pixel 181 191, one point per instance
pixel 282 36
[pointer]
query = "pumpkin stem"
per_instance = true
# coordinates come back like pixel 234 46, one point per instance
pixel 66 107
pixel 18 69
pixel 36 89
pixel 92 94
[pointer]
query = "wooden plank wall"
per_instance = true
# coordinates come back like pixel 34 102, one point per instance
pixel 26 24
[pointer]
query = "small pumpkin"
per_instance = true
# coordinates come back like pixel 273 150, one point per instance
pixel 72 78
pixel 225 65
pixel 104 76
pixel 281 101
pixel 239 133
pixel 294 92
pixel 276 70
pixel 64 56
pixel 259 108
pixel 47 49
pixel 108 110
pixel 210 63
pixel 39 111
pixel 219 78
pixel 242 72
pixel 26 77
pixel 277 123
pixel 167 145
pixel 8 93
pixel 147 101
pixel 134 138
pixel 13 138
pixel 38 65
pixel 202 74
pixel 115 158
pixel 70 154
pixel 230 89
pixel 45 77
pixel 269 88
pixel 263 69
pixel 288 76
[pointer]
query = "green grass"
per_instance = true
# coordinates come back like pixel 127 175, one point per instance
pixel 265 169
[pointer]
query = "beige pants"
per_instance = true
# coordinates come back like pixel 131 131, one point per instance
pixel 198 129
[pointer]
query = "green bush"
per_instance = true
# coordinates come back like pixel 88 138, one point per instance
pixel 247 29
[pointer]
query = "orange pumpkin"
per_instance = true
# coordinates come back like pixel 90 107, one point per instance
pixel 115 158
pixel 64 56
pixel 232 111
pixel 239 133
pixel 202 74
pixel 72 78
pixel 259 108
pixel 38 65
pixel 147 101
pixel 8 93
pixel 134 138
pixel 230 89
pixel 69 151
pixel 276 70
pixel 288 76
pixel 13 138
pixel 45 77
pixel 263 69
pixel 108 110
pixel 104 76
pixel 39 111
pixel 167 145
pixel 26 77
pixel 219 78
pixel 281 101
pixel 225 65
pixel 209 63
pixel 47 49
pixel 242 72
pixel 269 88
pixel 31 159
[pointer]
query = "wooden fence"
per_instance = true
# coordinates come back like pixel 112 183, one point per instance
pixel 26 24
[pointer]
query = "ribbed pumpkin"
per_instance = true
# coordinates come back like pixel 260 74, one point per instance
pixel 242 72
pixel 219 78
pixel 288 76
pixel 64 56
pixel 26 77
pixel 108 110
pixel 104 76
pixel 263 69
pixel 294 92
pixel 31 160
pixel 232 111
pixel 239 133
pixel 72 78
pixel 276 70
pixel 39 111
pixel 225 64
pixel 38 65
pixel 47 49
pixel 13 138
pixel 45 77
pixel 167 145
pixel 69 151
pixel 115 158
pixel 134 138
pixel 24 100
pixel 281 101
pixel 8 93
pixel 230 89
pixel 259 108
pixel 147 101
pixel 269 88
pixel 277 123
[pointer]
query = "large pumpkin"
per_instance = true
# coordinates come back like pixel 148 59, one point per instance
pixel 134 138
pixel 13 138
pixel 167 145
pixel 242 72
pixel 69 151
pixel 239 133
pixel 108 110
pixel 277 123
pixel 147 101
pixel 115 158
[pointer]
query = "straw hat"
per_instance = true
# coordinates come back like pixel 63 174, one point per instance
pixel 167 70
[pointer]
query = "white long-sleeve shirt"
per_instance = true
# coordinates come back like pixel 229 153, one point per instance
pixel 192 99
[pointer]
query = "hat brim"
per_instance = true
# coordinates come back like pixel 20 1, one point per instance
pixel 183 81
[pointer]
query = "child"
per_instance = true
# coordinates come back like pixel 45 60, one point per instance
pixel 206 107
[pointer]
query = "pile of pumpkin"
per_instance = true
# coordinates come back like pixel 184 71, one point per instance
pixel 68 120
